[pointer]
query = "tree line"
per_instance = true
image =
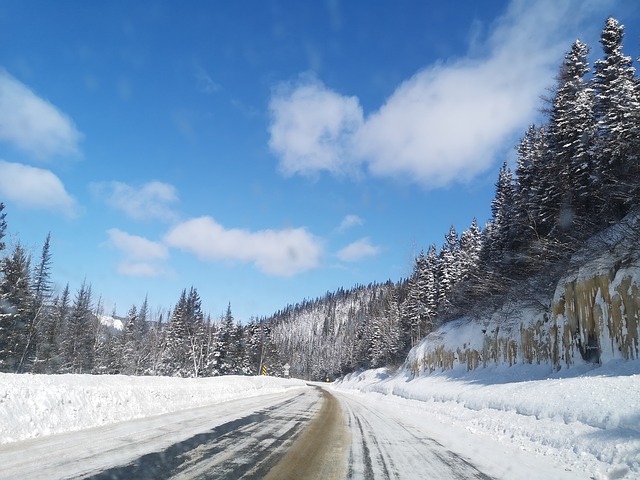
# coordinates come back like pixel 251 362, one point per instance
pixel 45 333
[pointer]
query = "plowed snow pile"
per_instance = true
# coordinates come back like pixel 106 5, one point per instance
pixel 37 405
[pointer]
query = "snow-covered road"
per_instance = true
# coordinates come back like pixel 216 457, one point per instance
pixel 516 423
pixel 227 440
pixel 277 435
pixel 393 439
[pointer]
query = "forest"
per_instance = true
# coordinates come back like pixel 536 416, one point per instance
pixel 576 173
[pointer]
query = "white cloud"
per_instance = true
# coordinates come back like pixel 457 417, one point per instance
pixel 35 188
pixel 32 124
pixel 136 247
pixel 275 252
pixel 153 200
pixel 358 250
pixel 447 122
pixel 139 269
pixel 312 128
pixel 350 221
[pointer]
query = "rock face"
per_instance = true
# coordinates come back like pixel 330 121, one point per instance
pixel 597 314
pixel 593 317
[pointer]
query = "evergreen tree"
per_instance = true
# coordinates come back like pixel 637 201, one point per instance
pixel 175 352
pixel 414 309
pixel 185 346
pixel 44 322
pixel 386 334
pixel 55 332
pixel 470 248
pixel 571 134
pixel 16 312
pixel 80 335
pixel 196 332
pixel 3 226
pixel 42 274
pixel 617 113
pixel 502 208
pixel 226 354
pixel 449 272
pixel 129 344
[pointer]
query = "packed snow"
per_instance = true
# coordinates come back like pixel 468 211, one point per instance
pixel 585 419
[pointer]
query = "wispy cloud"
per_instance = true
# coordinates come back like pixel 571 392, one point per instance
pixel 206 84
pixel 446 123
pixel 32 124
pixel 358 250
pixel 140 269
pixel 151 201
pixel 35 188
pixel 141 255
pixel 350 221
pixel 136 247
pixel 283 252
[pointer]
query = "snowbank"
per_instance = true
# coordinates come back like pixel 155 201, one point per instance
pixel 37 405
pixel 585 418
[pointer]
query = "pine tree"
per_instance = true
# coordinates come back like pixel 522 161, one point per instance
pixel 55 332
pixel 449 272
pixel 185 346
pixel 16 312
pixel 528 224
pixel 175 351
pixel 129 344
pixel 226 354
pixel 617 113
pixel 502 209
pixel 470 248
pixel 79 336
pixel 414 310
pixel 196 332
pixel 3 226
pixel 44 322
pixel 571 134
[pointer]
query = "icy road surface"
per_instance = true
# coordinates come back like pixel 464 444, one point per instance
pixel 313 433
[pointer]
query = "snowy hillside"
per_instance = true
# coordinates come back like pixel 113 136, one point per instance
pixel 593 317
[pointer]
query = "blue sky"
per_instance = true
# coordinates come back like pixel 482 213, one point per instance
pixel 265 152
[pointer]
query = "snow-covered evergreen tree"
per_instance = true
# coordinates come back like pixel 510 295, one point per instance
pixel 184 352
pixel 571 135
pixel 3 225
pixel 227 354
pixel 17 333
pixel 449 271
pixel 502 210
pixel 79 335
pixel 617 113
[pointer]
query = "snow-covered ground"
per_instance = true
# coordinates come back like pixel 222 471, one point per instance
pixel 586 419
pixel 38 405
